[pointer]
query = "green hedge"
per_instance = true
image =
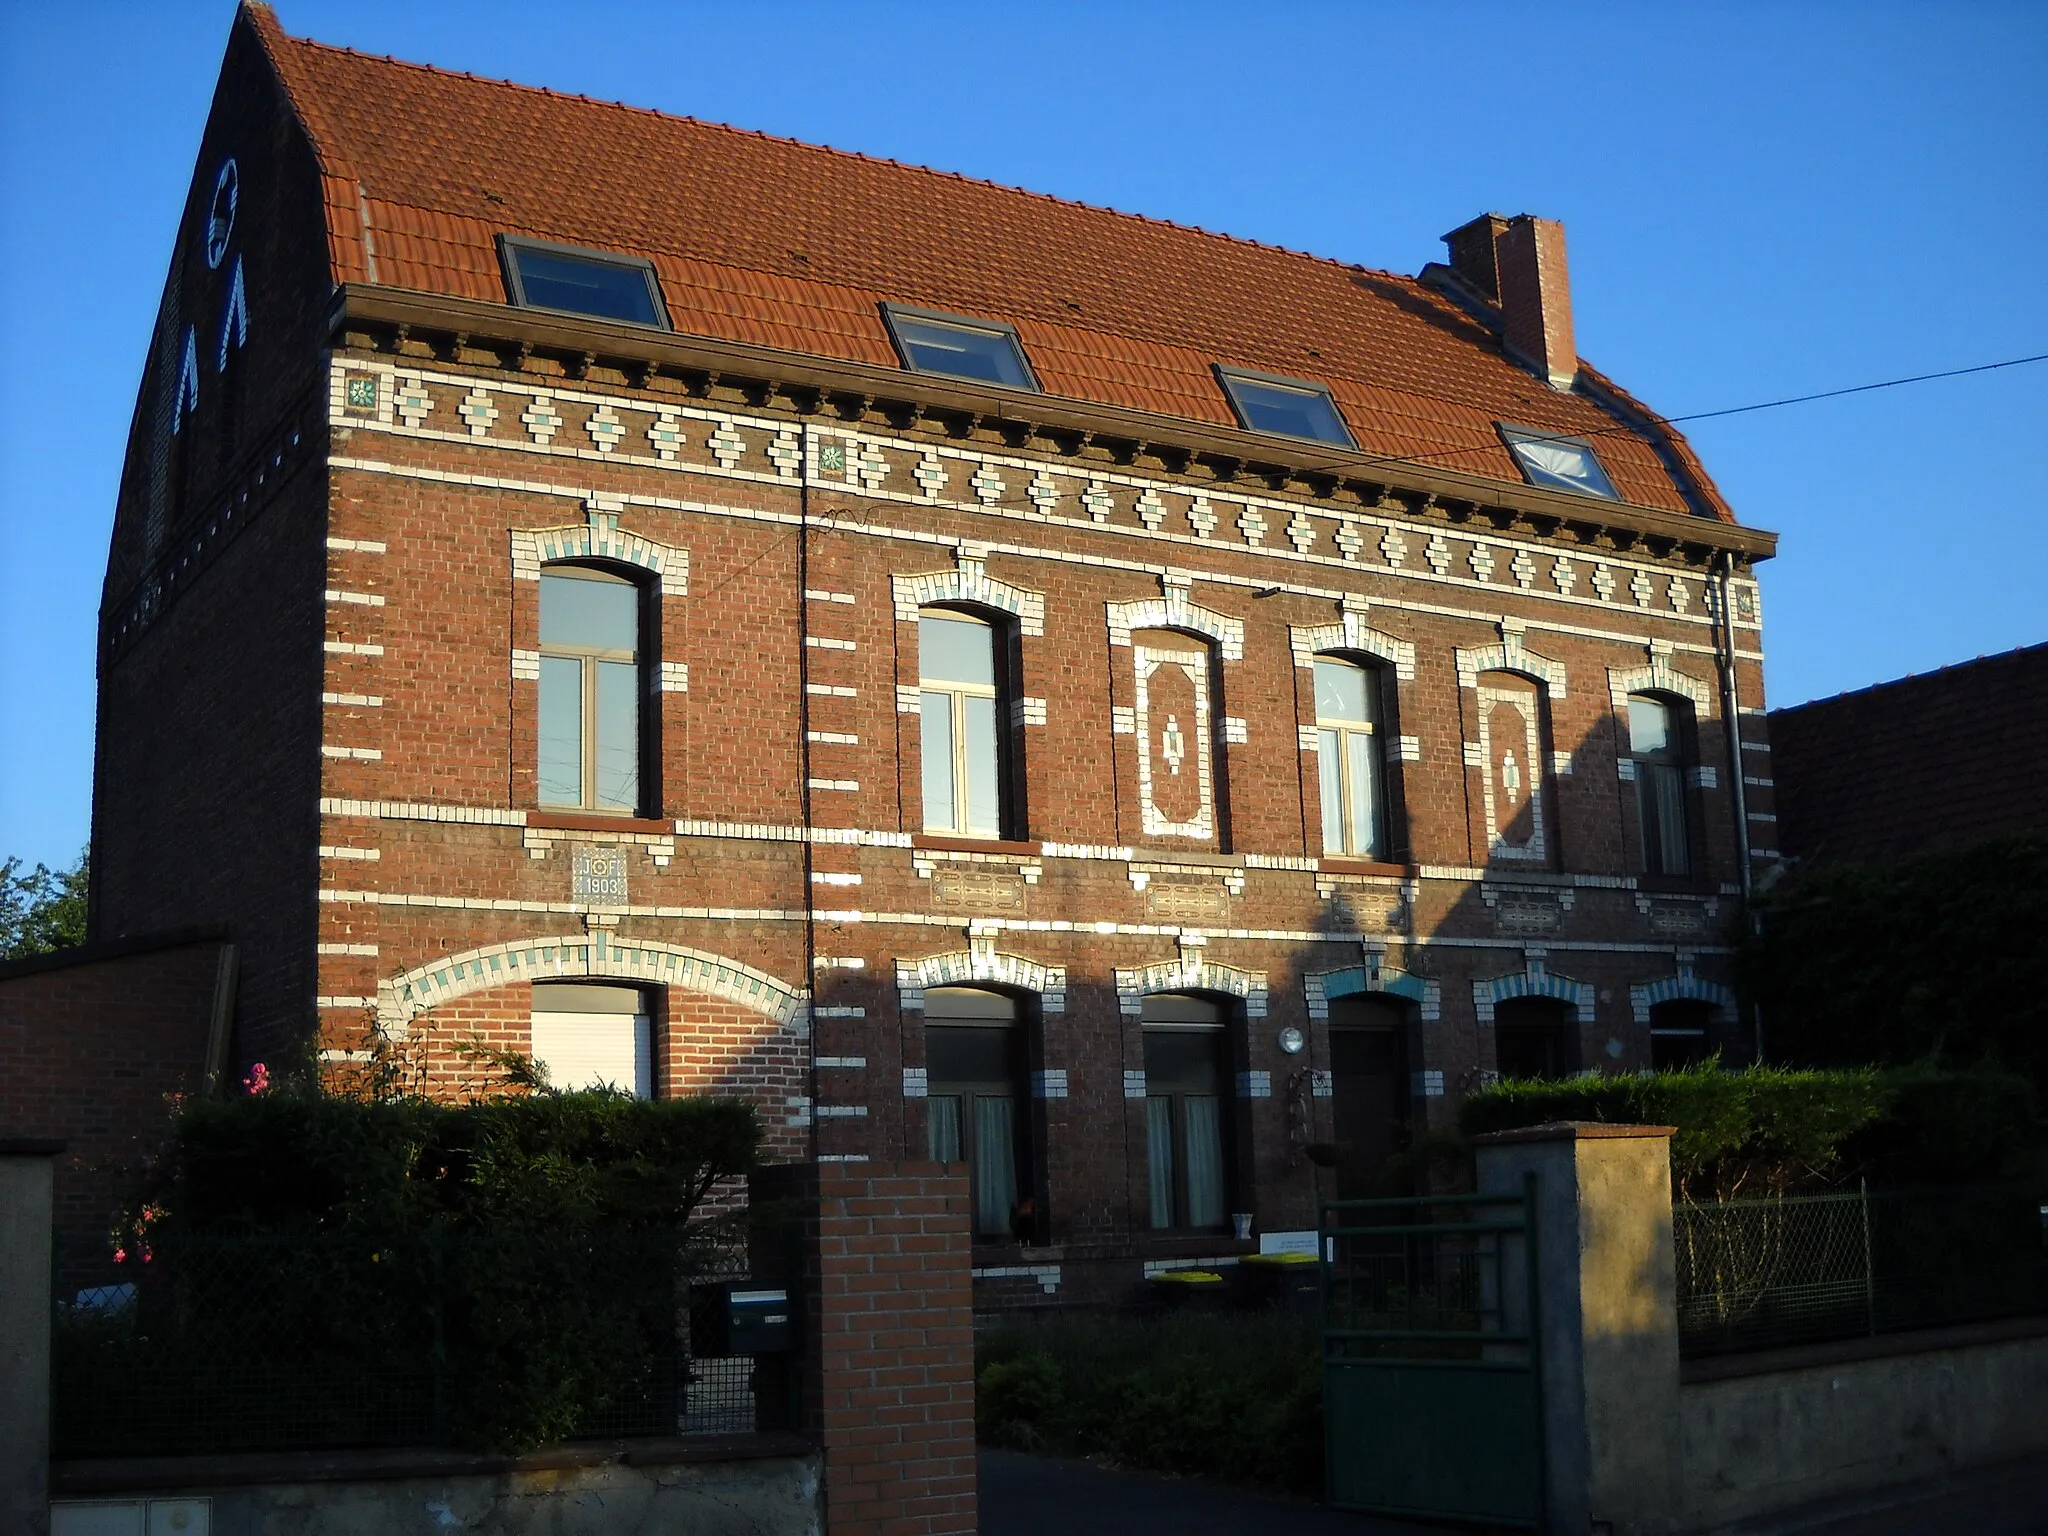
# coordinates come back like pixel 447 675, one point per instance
pixel 1768 1130
pixel 310 1270
pixel 1230 1396
pixel 296 1159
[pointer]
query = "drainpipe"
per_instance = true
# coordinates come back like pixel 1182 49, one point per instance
pixel 1731 711
pixel 1731 714
pixel 803 722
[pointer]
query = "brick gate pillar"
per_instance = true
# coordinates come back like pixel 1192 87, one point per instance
pixel 879 1257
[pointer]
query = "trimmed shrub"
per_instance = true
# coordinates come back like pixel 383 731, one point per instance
pixel 1769 1130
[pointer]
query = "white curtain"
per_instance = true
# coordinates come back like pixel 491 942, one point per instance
pixel 1206 1205
pixel 995 1163
pixel 1159 1158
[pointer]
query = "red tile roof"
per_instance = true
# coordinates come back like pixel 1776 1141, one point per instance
pixel 780 244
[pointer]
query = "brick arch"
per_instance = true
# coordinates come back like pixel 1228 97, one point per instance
pixel 1175 610
pixel 1190 973
pixel 1510 656
pixel 1683 986
pixel 1534 980
pixel 1658 677
pixel 1321 988
pixel 598 955
pixel 1352 634
pixel 600 538
pixel 971 584
pixel 984 964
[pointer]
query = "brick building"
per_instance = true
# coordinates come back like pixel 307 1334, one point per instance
pixel 1939 760
pixel 985 676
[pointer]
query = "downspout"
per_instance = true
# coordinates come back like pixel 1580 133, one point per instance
pixel 803 720
pixel 1731 712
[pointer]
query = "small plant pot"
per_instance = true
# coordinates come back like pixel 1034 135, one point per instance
pixel 1188 1290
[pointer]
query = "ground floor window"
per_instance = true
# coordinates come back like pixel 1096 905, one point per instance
pixel 1186 1135
pixel 974 1068
pixel 1680 1034
pixel 594 1036
pixel 1535 1037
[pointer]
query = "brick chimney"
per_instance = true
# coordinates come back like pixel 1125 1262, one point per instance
pixel 1535 298
pixel 1471 248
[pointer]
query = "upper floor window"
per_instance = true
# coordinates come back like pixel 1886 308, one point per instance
pixel 1656 742
pixel 986 350
pixel 1185 1122
pixel 1561 463
pixel 1291 407
pixel 542 275
pixel 974 1065
pixel 962 741
pixel 1348 759
pixel 590 689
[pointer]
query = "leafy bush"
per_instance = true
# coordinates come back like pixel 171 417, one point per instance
pixel 1768 1130
pixel 1230 1396
pixel 314 1270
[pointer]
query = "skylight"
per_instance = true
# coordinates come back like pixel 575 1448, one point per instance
pixel 985 350
pixel 1290 407
pixel 1560 463
pixel 567 278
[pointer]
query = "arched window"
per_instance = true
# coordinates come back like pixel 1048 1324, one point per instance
pixel 1535 1037
pixel 974 1064
pixel 1680 1033
pixel 594 1036
pixel 591 687
pixel 1185 1124
pixel 1369 1087
pixel 1657 730
pixel 959 692
pixel 1349 759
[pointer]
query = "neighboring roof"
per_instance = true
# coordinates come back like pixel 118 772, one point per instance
pixel 774 243
pixel 1938 760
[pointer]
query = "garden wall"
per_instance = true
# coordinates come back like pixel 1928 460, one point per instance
pixel 1769 1432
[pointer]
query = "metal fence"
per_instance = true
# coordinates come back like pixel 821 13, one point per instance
pixel 486 1340
pixel 1760 1274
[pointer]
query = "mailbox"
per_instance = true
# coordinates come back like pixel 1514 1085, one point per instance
pixel 758 1322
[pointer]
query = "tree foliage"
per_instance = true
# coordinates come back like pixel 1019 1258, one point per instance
pixel 1943 957
pixel 41 910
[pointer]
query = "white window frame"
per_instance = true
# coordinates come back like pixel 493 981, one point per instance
pixel 589 657
pixel 1343 730
pixel 958 694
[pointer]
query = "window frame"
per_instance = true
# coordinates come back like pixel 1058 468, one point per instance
pixel 1219 1032
pixel 1676 759
pixel 515 281
pixel 1023 1130
pixel 1000 693
pixel 1514 436
pixel 1228 377
pixel 590 657
pixel 1376 737
pixel 891 311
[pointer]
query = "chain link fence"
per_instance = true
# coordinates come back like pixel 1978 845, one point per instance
pixel 1762 1274
pixel 482 1340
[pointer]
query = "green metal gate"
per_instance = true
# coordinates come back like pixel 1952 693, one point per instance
pixel 1431 1371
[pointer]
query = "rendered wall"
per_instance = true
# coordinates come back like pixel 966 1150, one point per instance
pixel 1756 1444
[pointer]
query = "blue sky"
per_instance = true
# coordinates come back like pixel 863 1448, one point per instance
pixel 1762 200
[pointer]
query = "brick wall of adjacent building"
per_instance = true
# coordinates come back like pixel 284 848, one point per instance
pixel 1935 761
pixel 95 1043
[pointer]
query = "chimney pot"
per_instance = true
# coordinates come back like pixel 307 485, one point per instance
pixel 1535 297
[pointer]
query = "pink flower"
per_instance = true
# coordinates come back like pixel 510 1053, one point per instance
pixel 258 1080
pixel 120 1255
